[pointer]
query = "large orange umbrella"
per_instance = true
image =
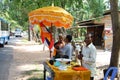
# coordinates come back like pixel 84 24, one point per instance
pixel 51 16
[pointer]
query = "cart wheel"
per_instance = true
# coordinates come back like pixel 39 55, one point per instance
pixel 1 45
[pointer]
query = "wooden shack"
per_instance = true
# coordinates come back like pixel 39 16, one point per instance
pixel 101 30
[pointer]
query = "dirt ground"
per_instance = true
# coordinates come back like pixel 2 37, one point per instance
pixel 27 60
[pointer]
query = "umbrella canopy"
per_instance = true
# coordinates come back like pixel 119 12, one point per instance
pixel 51 16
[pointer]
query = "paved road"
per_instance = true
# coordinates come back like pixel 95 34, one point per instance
pixel 6 58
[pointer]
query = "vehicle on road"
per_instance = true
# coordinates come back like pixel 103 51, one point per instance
pixel 18 32
pixel 4 32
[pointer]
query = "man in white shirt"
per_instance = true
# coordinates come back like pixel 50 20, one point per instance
pixel 88 56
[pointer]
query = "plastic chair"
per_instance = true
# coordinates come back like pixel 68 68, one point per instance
pixel 113 75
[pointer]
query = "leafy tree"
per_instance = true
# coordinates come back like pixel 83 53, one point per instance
pixel 81 9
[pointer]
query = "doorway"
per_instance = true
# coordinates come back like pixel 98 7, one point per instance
pixel 96 32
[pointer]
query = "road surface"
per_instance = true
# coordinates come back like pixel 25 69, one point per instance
pixel 6 57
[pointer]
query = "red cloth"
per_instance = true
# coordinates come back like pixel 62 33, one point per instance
pixel 46 35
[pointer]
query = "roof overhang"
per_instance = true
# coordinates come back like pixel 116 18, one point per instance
pixel 89 23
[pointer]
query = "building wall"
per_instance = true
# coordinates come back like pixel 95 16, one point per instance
pixel 107 33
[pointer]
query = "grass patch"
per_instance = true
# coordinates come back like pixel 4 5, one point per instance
pixel 34 74
pixel 24 40
pixel 31 72
pixel 34 78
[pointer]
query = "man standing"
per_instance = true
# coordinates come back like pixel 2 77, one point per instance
pixel 88 56
pixel 67 50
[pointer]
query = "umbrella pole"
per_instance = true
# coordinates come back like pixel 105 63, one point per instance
pixel 54 35
pixel 51 31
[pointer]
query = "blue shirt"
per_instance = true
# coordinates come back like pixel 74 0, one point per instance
pixel 67 50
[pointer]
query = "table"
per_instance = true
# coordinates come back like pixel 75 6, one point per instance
pixel 68 74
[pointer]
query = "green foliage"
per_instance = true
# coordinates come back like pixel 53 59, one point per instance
pixel 80 9
pixel 96 7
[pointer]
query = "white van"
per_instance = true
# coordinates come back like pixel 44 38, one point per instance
pixel 18 33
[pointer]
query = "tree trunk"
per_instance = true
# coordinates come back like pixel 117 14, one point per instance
pixel 29 39
pixel 114 61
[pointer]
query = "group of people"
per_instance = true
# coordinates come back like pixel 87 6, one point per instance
pixel 63 48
